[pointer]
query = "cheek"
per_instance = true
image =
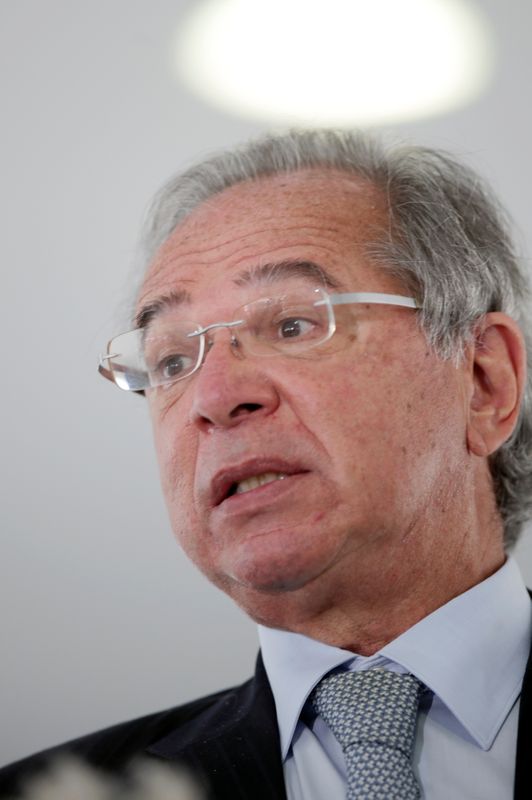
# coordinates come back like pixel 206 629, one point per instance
pixel 176 455
pixel 386 423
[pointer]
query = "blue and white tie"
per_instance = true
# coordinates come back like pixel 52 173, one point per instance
pixel 373 715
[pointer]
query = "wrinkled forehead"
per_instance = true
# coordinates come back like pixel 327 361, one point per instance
pixel 315 216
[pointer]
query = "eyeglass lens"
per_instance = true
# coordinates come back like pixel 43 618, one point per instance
pixel 286 323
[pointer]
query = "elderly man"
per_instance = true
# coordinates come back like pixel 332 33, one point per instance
pixel 329 335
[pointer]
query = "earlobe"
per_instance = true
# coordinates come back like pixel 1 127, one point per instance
pixel 476 443
pixel 498 370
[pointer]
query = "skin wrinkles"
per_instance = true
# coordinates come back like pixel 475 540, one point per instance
pixel 199 258
pixel 167 258
pixel 309 218
pixel 394 515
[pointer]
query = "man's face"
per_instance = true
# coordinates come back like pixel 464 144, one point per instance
pixel 370 437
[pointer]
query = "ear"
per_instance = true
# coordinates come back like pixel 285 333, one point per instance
pixel 498 373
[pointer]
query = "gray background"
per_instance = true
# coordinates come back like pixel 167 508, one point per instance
pixel 101 616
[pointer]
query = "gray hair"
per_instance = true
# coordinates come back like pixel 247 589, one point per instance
pixel 446 238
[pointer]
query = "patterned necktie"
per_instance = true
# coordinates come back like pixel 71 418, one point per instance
pixel 373 715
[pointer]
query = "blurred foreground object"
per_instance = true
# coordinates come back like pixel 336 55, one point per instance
pixel 73 779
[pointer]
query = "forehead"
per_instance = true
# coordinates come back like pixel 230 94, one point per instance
pixel 325 217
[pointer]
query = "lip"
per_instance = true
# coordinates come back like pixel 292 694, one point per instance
pixel 225 478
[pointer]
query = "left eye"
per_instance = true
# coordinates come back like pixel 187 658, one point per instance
pixel 294 327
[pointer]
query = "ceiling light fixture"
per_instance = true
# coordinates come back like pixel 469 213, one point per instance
pixel 338 62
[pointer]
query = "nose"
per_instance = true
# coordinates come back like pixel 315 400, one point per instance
pixel 230 387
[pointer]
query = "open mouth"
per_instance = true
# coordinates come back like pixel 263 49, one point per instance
pixel 250 478
pixel 248 484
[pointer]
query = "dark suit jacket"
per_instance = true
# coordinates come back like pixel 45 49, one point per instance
pixel 229 740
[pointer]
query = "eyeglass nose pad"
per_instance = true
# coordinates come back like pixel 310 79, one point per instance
pixel 233 341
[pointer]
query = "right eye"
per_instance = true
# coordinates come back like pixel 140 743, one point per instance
pixel 295 327
pixel 173 366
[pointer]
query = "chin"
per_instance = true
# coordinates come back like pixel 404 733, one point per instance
pixel 273 600
pixel 269 575
pixel 269 563
pixel 276 592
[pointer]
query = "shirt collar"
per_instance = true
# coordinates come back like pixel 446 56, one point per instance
pixel 471 653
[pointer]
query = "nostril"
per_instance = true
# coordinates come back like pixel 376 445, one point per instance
pixel 244 408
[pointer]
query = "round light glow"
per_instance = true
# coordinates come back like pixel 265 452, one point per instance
pixel 334 62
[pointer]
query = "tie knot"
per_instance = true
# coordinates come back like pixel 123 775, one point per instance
pixel 369 706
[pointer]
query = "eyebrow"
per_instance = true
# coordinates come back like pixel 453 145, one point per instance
pixel 263 274
pixel 280 270
pixel 162 303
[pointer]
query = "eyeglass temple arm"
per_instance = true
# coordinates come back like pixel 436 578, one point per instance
pixel 102 369
pixel 117 368
pixel 371 297
pixel 107 373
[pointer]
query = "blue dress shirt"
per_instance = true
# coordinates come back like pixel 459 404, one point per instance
pixel 471 654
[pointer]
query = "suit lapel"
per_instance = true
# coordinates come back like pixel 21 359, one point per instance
pixel 234 745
